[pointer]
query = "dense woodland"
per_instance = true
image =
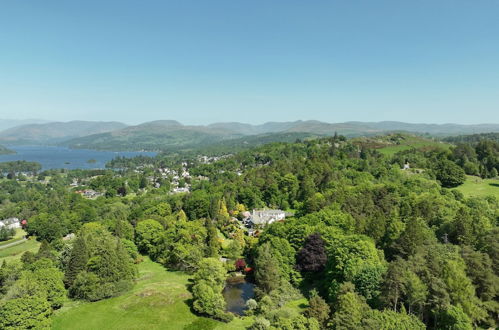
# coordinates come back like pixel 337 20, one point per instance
pixel 371 246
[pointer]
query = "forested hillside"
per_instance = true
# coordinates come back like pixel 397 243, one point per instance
pixel 375 241
pixel 474 138
pixel 172 136
pixel 5 151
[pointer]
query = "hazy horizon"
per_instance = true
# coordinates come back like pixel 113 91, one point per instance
pixel 45 121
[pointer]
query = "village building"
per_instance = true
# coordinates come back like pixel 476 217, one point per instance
pixel 69 237
pixel 89 193
pixel 178 190
pixel 10 223
pixel 265 217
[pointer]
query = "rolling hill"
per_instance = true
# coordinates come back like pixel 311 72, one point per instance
pixel 392 143
pixel 9 123
pixel 473 139
pixel 51 133
pixel 164 135
pixel 353 128
pixel 5 151
pixel 246 142
pixel 170 135
pixel 436 130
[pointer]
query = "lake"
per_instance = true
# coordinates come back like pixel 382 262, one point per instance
pixel 61 157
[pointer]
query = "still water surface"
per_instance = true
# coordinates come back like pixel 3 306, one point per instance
pixel 61 157
pixel 236 294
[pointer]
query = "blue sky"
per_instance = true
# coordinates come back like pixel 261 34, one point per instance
pixel 250 61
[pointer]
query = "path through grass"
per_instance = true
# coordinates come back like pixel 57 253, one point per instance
pixel 16 251
pixel 20 233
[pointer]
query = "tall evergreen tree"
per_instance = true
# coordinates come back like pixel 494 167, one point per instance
pixel 77 261
pixel 318 309
pixel 212 245
pixel 45 251
pixel 350 308
pixel 267 274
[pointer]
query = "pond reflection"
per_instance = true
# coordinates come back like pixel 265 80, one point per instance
pixel 236 293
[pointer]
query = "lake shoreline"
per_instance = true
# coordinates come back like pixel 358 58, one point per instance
pixel 56 157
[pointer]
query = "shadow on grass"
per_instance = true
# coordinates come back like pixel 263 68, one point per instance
pixel 494 184
pixel 202 323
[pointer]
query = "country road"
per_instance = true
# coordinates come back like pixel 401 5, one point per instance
pixel 13 243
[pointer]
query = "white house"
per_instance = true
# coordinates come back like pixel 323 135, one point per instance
pixel 10 223
pixel 266 217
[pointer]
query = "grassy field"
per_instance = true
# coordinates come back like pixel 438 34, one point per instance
pixel 159 300
pixel 15 252
pixel 411 142
pixel 390 144
pixel 475 186
pixel 17 237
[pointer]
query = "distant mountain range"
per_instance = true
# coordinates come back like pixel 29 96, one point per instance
pixel 55 132
pixel 170 135
pixel 156 135
pixel 437 130
pixel 355 128
pixel 9 123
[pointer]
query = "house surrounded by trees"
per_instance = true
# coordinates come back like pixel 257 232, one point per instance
pixel 263 217
pixel 10 223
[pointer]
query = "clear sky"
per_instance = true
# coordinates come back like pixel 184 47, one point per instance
pixel 252 61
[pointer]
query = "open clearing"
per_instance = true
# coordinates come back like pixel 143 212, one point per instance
pixel 16 251
pixel 476 186
pixel 159 300
pixel 20 233
pixel 413 142
pixel 390 144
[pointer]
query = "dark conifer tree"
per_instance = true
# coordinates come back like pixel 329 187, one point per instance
pixel 267 273
pixel 45 251
pixel 212 243
pixel 77 261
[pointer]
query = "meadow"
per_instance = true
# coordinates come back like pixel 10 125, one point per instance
pixel 16 251
pixel 412 142
pixel 159 300
pixel 17 237
pixel 390 144
pixel 478 187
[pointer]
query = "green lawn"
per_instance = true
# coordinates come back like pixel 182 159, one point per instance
pixel 410 143
pixel 17 237
pixel 390 144
pixel 299 305
pixel 475 186
pixel 15 252
pixel 159 300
